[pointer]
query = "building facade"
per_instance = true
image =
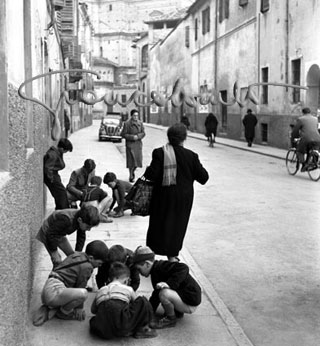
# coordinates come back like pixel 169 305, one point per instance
pixel 248 41
pixel 37 39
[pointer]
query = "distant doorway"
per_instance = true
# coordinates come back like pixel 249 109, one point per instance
pixel 313 83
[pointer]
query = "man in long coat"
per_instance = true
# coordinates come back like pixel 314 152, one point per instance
pixel 249 121
pixel 133 132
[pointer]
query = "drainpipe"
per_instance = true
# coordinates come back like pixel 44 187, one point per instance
pixel 287 45
pixel 215 57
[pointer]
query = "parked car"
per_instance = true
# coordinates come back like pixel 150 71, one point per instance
pixel 111 127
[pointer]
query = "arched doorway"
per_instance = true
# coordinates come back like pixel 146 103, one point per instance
pixel 313 83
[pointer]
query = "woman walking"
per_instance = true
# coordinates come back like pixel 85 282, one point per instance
pixel 173 170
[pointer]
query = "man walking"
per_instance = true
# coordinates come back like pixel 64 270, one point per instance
pixel 249 121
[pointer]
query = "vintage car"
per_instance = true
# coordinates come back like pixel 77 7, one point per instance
pixel 111 127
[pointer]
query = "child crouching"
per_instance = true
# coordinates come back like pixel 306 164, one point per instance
pixel 118 311
pixel 174 287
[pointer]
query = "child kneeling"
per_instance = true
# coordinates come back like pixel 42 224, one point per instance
pixel 118 311
pixel 174 287
pixel 64 292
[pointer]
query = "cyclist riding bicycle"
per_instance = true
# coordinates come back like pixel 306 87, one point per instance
pixel 306 128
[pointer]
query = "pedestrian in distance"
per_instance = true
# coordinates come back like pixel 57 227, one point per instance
pixel 64 292
pixel 249 121
pixel 55 228
pixel 120 188
pixel 133 132
pixel 53 163
pixel 211 125
pixel 118 253
pixel 306 128
pixel 118 310
pixel 79 181
pixel 185 121
pixel 66 123
pixel 173 287
pixel 96 196
pixel 173 170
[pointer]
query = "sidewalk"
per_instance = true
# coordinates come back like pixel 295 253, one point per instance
pixel 211 324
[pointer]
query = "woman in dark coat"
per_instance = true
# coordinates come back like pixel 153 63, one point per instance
pixel 133 132
pixel 211 124
pixel 173 169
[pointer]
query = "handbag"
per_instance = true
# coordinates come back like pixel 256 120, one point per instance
pixel 139 196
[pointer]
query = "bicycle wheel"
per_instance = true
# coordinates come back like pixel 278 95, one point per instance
pixel 314 166
pixel 292 162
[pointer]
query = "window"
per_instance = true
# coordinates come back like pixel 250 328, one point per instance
pixel 110 7
pixel 196 29
pixel 264 133
pixel 265 79
pixel 101 52
pixel 157 26
pixel 223 10
pixel 144 57
pixel 187 38
pixel 124 98
pixel 243 2
pixel 224 110
pixel 206 21
pixel 264 6
pixel 296 73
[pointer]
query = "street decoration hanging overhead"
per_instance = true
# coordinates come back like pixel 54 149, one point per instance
pixel 178 97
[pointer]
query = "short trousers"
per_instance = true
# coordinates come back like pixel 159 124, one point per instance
pixel 51 290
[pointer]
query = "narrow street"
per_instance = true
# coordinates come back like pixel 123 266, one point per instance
pixel 255 233
pixel 248 244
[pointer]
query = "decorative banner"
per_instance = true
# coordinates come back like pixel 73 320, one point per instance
pixel 203 109
pixel 154 108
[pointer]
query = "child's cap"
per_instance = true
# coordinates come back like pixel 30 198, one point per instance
pixel 143 253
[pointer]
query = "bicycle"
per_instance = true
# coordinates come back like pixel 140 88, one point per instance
pixel 312 165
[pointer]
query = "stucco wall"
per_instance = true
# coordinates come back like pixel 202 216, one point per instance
pixel 21 210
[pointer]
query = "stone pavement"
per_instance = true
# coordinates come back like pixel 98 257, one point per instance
pixel 212 323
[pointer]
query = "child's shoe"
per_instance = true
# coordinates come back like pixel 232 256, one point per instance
pixel 43 314
pixel 119 214
pixel 145 333
pixel 165 322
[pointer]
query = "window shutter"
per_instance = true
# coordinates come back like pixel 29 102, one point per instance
pixel 226 9
pixel 264 6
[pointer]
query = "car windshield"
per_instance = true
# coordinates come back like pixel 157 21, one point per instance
pixel 111 121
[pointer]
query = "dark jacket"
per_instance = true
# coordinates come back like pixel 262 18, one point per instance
pixel 79 180
pixel 74 271
pixel 102 277
pixel 177 276
pixel 306 128
pixel 61 223
pixel 171 206
pixel 119 192
pixel 249 121
pixel 52 163
pixel 211 124
pixel 93 193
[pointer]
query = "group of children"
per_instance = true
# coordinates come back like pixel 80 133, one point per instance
pixel 118 310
